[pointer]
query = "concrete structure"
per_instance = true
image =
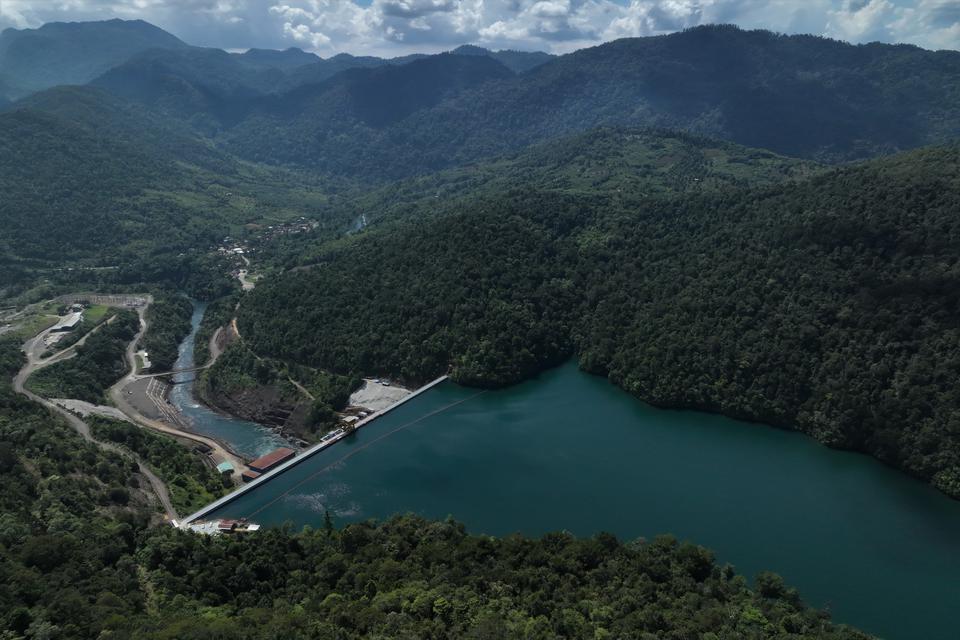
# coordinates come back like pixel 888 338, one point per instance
pixel 326 441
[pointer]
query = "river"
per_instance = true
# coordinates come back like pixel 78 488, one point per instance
pixel 249 439
pixel 570 451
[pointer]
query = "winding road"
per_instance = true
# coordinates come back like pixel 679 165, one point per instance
pixel 35 347
pixel 34 363
pixel 219 452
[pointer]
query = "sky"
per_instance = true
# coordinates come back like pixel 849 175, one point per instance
pixel 398 27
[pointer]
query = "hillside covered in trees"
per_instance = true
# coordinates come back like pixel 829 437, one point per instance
pixel 803 96
pixel 826 304
pixel 125 196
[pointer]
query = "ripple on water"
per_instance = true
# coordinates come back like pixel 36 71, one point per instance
pixel 332 498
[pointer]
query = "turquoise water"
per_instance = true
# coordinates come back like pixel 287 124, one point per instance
pixel 246 438
pixel 570 451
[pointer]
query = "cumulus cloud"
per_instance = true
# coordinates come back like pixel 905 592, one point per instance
pixel 393 27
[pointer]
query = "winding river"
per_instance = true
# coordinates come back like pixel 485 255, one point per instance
pixel 570 451
pixel 249 439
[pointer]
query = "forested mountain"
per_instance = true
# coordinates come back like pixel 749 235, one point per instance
pixel 438 314
pixel 348 124
pixel 4 92
pixel 798 95
pixel 329 67
pixel 118 121
pixel 516 61
pixel 73 52
pixel 210 86
pixel 286 60
pixel 826 304
pixel 375 119
pixel 602 161
pixel 92 181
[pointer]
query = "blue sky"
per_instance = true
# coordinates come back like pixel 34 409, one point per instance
pixel 396 27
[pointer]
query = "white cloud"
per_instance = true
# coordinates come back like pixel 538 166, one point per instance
pixel 862 20
pixel 393 27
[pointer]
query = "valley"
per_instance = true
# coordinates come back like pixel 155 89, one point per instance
pixel 468 342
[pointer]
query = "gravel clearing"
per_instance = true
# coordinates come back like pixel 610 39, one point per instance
pixel 85 409
pixel 375 396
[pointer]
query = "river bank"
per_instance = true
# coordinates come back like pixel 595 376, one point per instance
pixel 327 441
pixel 248 439
pixel 119 392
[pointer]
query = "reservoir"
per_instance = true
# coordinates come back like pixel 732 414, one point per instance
pixel 249 439
pixel 570 451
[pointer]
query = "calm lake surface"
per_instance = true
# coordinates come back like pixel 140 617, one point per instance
pixel 246 438
pixel 570 451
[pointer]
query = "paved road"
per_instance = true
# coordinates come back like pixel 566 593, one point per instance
pixel 33 364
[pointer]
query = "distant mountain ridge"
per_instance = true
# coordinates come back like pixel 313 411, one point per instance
pixel 287 59
pixel 798 95
pixel 516 61
pixel 801 96
pixel 73 52
pixel 61 53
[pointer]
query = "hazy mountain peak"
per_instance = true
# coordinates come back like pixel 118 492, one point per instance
pixel 74 52
pixel 516 61
pixel 287 59
pixel 471 50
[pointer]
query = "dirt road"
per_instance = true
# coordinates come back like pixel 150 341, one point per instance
pixel 219 452
pixel 81 427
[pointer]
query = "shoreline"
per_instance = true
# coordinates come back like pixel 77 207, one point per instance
pixel 329 440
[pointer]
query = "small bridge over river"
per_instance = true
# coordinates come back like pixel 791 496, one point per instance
pixel 173 372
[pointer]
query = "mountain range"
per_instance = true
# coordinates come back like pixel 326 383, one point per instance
pixel 376 119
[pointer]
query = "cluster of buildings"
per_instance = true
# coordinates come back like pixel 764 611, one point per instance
pixel 219 527
pixel 229 248
pixel 300 225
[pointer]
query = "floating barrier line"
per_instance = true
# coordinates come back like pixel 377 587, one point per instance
pixel 358 450
pixel 317 448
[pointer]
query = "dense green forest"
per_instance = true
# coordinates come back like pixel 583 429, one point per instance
pixel 100 361
pixel 826 304
pixel 300 399
pixel 168 323
pixel 70 516
pixel 127 197
pixel 408 305
pixel 217 314
pixel 192 484
pixel 607 161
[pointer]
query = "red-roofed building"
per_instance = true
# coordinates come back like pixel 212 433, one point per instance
pixel 271 460
pixel 226 526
